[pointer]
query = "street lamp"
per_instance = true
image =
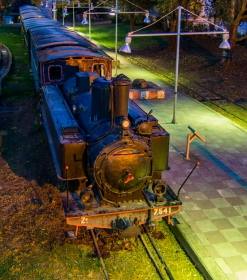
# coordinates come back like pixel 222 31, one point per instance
pixel 66 7
pixel 88 12
pixel 54 10
pixel 147 20
pixel 84 21
pixel 224 45
pixel 113 11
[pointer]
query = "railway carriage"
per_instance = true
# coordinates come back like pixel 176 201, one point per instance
pixel 107 150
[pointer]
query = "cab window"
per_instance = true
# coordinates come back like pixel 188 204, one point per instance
pixel 99 69
pixel 55 73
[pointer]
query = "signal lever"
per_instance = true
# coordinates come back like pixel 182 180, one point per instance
pixel 197 164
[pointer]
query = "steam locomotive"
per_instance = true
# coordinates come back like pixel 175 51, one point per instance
pixel 109 153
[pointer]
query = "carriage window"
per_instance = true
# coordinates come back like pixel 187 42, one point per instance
pixel 55 73
pixel 99 68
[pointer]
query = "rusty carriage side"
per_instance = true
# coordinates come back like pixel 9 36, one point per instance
pixel 58 53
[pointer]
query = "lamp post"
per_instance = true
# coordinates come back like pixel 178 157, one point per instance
pixel 176 67
pixel 116 26
pixel 73 14
pixel 89 17
pixel 224 45
pixel 116 37
pixel 54 10
pixel 63 12
pixel 63 15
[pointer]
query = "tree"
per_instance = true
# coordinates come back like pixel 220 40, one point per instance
pixel 132 6
pixel 231 13
pixel 4 4
pixel 165 7
pixel 17 4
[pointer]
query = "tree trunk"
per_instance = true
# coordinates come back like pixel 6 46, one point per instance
pixel 234 29
pixel 212 27
pixel 173 28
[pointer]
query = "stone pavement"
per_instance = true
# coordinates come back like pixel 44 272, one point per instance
pixel 212 224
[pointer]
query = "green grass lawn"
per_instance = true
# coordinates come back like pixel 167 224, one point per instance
pixel 17 83
pixel 105 35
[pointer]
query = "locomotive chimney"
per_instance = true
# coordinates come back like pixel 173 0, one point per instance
pixel 121 95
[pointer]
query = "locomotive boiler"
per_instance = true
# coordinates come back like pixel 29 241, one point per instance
pixel 122 155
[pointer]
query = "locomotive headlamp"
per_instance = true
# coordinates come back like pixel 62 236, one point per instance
pixel 125 124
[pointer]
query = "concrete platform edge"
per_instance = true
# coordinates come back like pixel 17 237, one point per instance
pixel 195 250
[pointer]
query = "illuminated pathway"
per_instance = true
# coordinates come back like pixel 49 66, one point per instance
pixel 213 220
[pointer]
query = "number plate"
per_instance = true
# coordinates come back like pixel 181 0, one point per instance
pixel 165 211
pixel 162 211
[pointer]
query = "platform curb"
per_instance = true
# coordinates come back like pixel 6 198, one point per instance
pixel 195 250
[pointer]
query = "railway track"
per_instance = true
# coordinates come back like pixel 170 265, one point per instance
pixel 151 249
pixel 198 91
pixel 5 62
pixel 5 65
pixel 160 257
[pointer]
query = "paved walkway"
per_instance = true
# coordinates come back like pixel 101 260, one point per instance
pixel 213 220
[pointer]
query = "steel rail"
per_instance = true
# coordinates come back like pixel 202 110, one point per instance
pixel 158 253
pixel 99 254
pixel 5 62
pixel 151 257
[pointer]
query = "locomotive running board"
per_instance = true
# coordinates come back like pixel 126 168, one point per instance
pixel 103 216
